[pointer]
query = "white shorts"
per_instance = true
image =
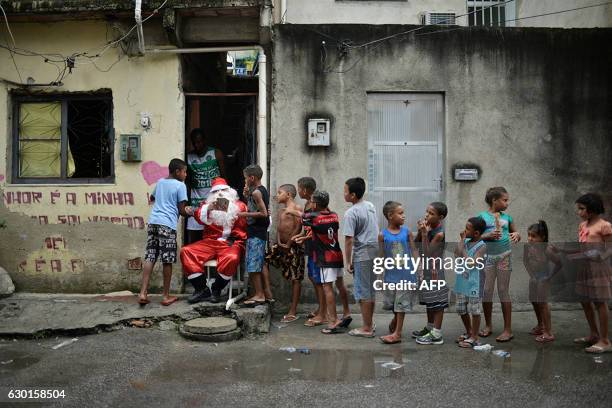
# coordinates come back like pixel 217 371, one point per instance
pixel 193 225
pixel 329 275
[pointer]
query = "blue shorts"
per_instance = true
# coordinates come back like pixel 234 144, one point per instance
pixel 314 272
pixel 255 254
pixel 363 280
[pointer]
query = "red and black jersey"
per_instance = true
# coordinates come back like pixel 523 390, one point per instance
pixel 325 245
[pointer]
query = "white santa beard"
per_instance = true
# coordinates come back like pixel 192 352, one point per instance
pixel 222 218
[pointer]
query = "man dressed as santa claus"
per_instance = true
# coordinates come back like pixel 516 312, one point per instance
pixel 223 239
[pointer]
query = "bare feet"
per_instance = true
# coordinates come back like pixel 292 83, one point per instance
pixel 486 332
pixel 504 337
pixel 392 338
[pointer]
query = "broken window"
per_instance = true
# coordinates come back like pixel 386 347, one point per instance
pixel 63 139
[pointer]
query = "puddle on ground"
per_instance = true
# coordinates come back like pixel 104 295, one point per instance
pixel 345 366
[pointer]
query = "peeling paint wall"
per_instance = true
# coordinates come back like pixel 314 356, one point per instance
pixel 79 237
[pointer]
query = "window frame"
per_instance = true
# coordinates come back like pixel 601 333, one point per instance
pixel 18 99
pixel 509 12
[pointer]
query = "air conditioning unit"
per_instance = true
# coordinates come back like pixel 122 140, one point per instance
pixel 435 18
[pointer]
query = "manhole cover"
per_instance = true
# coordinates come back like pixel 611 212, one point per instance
pixel 210 325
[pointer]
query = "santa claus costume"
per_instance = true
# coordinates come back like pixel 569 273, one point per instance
pixel 223 240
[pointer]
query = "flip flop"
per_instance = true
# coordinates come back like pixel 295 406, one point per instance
pixel 144 301
pixel 288 318
pixel 468 343
pixel 346 321
pixel 253 303
pixel 585 340
pixel 169 301
pixel 544 339
pixel 385 341
pixel 483 333
pixel 504 339
pixel 333 330
pixel 359 333
pixel 313 323
pixel 598 349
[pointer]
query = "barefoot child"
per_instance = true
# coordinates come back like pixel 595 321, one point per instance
pixel 361 245
pixel 286 254
pixel 593 279
pixel 432 238
pixel 468 286
pixel 327 254
pixel 500 233
pixel 396 240
pixel 170 197
pixel 537 257
pixel 258 222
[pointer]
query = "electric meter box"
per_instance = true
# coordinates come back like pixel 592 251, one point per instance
pixel 130 148
pixel 319 132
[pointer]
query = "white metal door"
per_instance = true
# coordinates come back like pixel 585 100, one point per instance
pixel 405 151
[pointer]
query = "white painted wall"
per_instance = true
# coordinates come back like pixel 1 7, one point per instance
pixel 591 17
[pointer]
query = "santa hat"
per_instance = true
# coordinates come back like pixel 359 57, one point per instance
pixel 218 183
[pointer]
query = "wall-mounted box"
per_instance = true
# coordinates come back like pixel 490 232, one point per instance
pixel 130 148
pixel 466 174
pixel 319 132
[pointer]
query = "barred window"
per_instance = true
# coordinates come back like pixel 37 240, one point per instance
pixel 493 13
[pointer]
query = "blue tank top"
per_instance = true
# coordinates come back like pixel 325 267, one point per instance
pixel 471 286
pixel 397 244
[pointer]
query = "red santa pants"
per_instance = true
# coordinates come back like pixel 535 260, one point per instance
pixel 194 256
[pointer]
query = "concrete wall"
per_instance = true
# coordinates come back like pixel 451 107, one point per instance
pixel 531 107
pixel 56 238
pixel 367 12
pixel 407 12
pixel 590 17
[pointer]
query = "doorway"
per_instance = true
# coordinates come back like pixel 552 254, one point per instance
pixel 405 151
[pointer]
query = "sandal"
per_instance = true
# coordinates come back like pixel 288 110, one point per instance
pixel 536 331
pixel 313 323
pixel 385 340
pixel 346 321
pixel 598 349
pixel 544 339
pixel 333 330
pixel 359 333
pixel 169 301
pixel 288 318
pixel 504 339
pixel 469 343
pixel 253 303
pixel 484 333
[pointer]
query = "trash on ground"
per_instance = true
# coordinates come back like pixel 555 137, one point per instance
pixel 369 386
pixel 288 359
pixel 501 353
pixel 598 359
pixel 142 323
pixel 483 347
pixel 64 343
pixel 294 370
pixel 280 325
pixel 6 362
pixel 293 350
pixel 392 365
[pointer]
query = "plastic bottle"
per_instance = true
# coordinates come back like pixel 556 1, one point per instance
pixel 288 349
pixel 483 347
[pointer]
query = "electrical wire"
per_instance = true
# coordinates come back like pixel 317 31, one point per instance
pixel 561 11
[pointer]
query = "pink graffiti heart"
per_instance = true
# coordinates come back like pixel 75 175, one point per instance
pixel 152 171
pixel 1 177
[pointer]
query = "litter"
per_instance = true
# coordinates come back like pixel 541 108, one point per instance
pixel 293 350
pixel 288 359
pixel 502 353
pixel 598 359
pixel 483 347
pixel 392 365
pixel 294 370
pixel 6 362
pixel 369 386
pixel 64 343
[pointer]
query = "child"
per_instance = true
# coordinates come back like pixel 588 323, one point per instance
pixel 286 254
pixel 306 187
pixel 432 239
pixel 500 232
pixel 361 245
pixel 170 197
pixel 593 280
pixel 397 240
pixel 536 258
pixel 257 231
pixel 468 286
pixel 327 253
pixel 205 163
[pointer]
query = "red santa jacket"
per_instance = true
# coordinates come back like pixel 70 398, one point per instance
pixel 212 231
